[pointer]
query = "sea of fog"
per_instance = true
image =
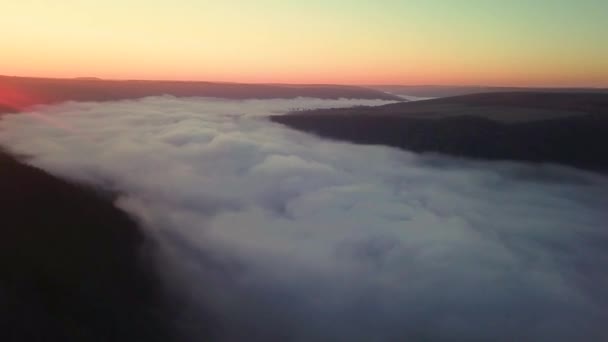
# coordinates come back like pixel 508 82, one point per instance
pixel 277 235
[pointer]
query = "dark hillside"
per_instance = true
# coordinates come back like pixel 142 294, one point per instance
pixel 70 265
pixel 570 129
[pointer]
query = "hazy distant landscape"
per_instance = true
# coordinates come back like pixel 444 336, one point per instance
pixel 322 171
pixel 189 224
pixel 26 91
pixel 448 91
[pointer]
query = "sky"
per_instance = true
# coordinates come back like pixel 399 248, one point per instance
pixel 451 42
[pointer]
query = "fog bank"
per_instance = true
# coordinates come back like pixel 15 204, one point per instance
pixel 273 234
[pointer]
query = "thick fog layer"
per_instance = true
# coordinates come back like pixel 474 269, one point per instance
pixel 273 234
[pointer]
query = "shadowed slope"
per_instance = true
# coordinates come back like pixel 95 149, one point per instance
pixel 70 267
pixel 570 129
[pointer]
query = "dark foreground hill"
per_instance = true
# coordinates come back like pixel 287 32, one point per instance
pixel 71 266
pixel 570 129
pixel 20 92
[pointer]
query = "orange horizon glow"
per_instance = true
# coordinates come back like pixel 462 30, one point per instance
pixel 434 42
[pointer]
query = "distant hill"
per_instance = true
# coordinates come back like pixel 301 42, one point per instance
pixel 6 109
pixel 565 128
pixel 21 92
pixel 88 78
pixel 444 91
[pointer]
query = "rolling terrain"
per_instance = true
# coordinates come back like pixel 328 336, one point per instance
pixel 569 129
pixel 20 92
pixel 443 91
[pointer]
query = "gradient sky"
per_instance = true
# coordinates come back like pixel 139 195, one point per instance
pixel 489 42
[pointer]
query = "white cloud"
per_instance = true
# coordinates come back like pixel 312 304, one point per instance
pixel 282 235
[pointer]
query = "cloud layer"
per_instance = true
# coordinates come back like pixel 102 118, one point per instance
pixel 273 234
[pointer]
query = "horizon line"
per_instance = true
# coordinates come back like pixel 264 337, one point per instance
pixel 96 78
